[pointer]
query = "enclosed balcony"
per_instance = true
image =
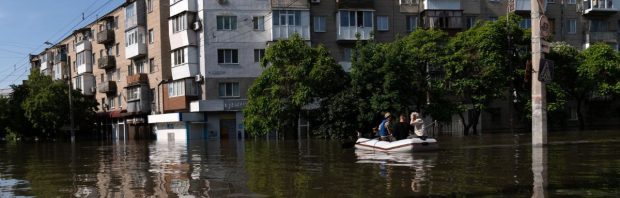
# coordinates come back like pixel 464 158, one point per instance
pixel 138 99
pixel 105 36
pixel 180 37
pixel 135 43
pixel 183 6
pixel 60 70
pixel 355 4
pixel 442 19
pixel 85 83
pixel 522 5
pixel 609 38
pixel 135 14
pixel 106 62
pixel 84 62
pixel 354 24
pixel 137 79
pixel 285 23
pixel 107 87
pixel 442 5
pixel 600 7
pixel 296 4
pixel 83 46
pixel 60 57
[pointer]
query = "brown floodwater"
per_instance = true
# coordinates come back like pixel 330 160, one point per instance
pixel 576 164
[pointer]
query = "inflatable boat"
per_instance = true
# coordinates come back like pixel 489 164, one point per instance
pixel 404 145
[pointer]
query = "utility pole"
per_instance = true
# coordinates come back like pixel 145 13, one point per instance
pixel 539 98
pixel 71 104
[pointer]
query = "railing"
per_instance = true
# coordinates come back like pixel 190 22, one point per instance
pixel 608 37
pixel 107 62
pixel 107 87
pixel 137 79
pixel 105 36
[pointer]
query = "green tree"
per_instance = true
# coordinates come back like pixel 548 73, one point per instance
pixel 566 82
pixel 4 116
pixel 295 75
pixel 480 68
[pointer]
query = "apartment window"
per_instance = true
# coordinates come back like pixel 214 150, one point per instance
pixel 118 74
pixel 151 36
pixel 227 56
pixel 116 22
pixel 571 1
pixel 179 23
pixel 140 67
pixel 178 57
pixel 319 24
pixel 133 93
pixel 382 23
pixel 526 23
pixel 230 89
pixel 346 54
pixel 598 25
pixel 259 22
pixel 412 23
pixel 471 21
pixel 78 82
pixel 286 17
pixel 408 2
pixel 149 5
pixel 130 12
pixel 258 54
pixel 81 57
pixel 493 18
pixel 152 65
pixel 94 59
pixel 572 26
pixel 111 102
pixel 176 88
pixel 131 38
pixel 120 105
pixel 117 49
pixel 130 70
pixel 356 18
pixel 226 22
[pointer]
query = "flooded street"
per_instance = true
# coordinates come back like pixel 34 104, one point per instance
pixel 574 164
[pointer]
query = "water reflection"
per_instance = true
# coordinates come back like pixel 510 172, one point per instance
pixel 420 164
pixel 539 169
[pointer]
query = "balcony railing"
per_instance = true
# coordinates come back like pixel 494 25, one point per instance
pixel 137 79
pixel 107 62
pixel 351 32
pixel 607 37
pixel 442 5
pixel 600 6
pixel 355 3
pixel 105 36
pixel 60 57
pixel 292 4
pixel 106 87
pixel 183 6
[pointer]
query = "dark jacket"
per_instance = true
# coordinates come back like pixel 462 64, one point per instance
pixel 401 130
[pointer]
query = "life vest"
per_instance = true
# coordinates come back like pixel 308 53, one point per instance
pixel 382 130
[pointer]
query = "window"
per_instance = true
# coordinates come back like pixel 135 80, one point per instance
pixel 258 54
pixel 152 65
pixel 572 26
pixel 119 102
pixel 382 23
pixel 356 18
pixel 179 23
pixel 346 54
pixel 526 23
pixel 408 2
pixel 111 100
pixel 81 58
pixel 572 1
pixel 131 38
pixel 598 25
pixel 78 82
pixel 151 36
pixel 286 17
pixel 116 22
pixel 226 22
pixel 259 22
pixel 412 23
pixel 149 5
pixel 471 21
pixel 227 56
pixel 229 89
pixel 118 75
pixel 178 57
pixel 493 18
pixel 130 12
pixel 133 93
pixel 117 49
pixel 130 70
pixel 319 24
pixel 183 87
pixel 140 67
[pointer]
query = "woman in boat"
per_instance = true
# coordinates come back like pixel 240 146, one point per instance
pixel 418 124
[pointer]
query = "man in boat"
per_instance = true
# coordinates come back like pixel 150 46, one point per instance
pixel 418 125
pixel 385 128
pixel 402 128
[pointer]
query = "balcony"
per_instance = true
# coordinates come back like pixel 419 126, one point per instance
pixel 85 83
pixel 284 32
pixel 135 14
pixel 522 5
pixel 107 62
pixel 355 4
pixel 296 4
pixel 137 79
pixel 604 37
pixel 60 70
pixel 442 19
pixel 107 87
pixel 288 22
pixel 105 36
pixel 600 7
pixel 185 71
pixel 442 5
pixel 83 46
pixel 352 23
pixel 60 57
pixel 138 101
pixel 136 40
pixel 183 6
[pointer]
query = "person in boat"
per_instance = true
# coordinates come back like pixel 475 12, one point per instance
pixel 385 128
pixel 418 125
pixel 402 128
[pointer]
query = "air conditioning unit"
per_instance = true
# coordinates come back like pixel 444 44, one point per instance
pixel 197 25
pixel 198 78
pixel 315 1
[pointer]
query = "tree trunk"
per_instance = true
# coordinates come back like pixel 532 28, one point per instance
pixel 579 115
pixel 465 124
pixel 474 121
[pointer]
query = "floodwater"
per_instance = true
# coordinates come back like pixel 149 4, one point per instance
pixel 575 164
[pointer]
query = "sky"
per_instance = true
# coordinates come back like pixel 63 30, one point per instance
pixel 28 24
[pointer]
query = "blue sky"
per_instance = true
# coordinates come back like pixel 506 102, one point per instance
pixel 27 24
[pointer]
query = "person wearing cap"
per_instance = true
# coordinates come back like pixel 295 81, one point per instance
pixel 418 124
pixel 385 129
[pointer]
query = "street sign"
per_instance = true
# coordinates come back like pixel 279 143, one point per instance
pixel 545 71
pixel 545 27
